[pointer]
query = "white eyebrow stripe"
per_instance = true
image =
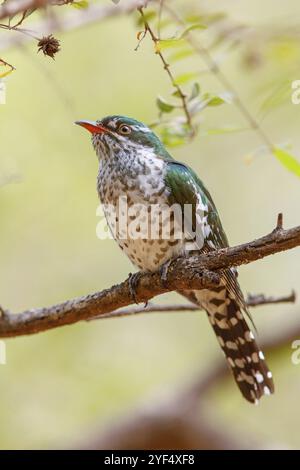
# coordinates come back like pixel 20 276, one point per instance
pixel 140 128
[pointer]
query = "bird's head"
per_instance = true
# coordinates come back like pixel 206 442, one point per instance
pixel 117 134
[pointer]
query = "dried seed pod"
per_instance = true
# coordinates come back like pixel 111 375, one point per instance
pixel 49 45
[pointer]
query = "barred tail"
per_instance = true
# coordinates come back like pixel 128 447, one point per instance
pixel 237 341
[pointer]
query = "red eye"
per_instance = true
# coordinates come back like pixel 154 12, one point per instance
pixel 123 129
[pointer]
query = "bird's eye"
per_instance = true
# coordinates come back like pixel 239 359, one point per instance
pixel 125 130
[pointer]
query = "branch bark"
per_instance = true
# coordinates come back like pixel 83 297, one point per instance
pixel 194 272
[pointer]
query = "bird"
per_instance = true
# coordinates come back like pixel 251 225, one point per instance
pixel 135 167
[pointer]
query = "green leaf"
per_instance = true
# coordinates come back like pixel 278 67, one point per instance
pixel 192 28
pixel 284 50
pixel 181 55
pixel 175 132
pixel 277 97
pixel 195 91
pixel 176 41
pixel 171 139
pixel 163 106
pixel 215 101
pixel 224 130
pixel 6 66
pixel 4 74
pixel 176 93
pixel 163 23
pixel 149 15
pixel 206 19
pixel 80 4
pixel 168 44
pixel 287 160
pixel 185 77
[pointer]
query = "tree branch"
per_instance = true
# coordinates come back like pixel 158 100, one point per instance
pixel 261 299
pixel 13 7
pixel 252 301
pixel 70 21
pixel 194 272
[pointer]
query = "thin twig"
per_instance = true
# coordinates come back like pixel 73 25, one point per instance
pixel 21 20
pixel 252 301
pixel 215 69
pixel 70 21
pixel 178 89
pixel 3 62
pixel 260 299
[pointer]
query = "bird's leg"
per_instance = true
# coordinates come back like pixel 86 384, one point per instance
pixel 164 269
pixel 133 280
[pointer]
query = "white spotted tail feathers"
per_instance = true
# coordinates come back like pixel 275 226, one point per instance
pixel 237 341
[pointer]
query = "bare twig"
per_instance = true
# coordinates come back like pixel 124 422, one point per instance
pixel 149 308
pixel 194 272
pixel 3 62
pixel 261 299
pixel 252 301
pixel 215 69
pixel 70 21
pixel 167 68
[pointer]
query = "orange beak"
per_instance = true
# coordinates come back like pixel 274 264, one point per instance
pixel 92 126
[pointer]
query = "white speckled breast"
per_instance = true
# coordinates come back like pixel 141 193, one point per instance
pixel 141 181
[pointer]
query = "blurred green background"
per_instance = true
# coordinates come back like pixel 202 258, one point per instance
pixel 58 385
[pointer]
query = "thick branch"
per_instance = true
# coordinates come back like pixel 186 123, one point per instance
pixel 195 272
pixel 82 308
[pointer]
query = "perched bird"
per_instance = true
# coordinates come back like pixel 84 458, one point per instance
pixel 134 163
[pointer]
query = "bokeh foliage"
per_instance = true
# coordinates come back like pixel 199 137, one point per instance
pixel 56 386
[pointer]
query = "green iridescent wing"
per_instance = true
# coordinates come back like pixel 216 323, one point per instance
pixel 187 188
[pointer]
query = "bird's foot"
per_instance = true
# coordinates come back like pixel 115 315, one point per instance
pixel 164 270
pixel 133 281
